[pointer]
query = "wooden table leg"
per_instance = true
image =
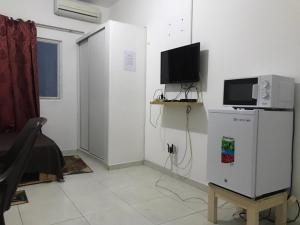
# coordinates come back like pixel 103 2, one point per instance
pixel 281 214
pixel 252 216
pixel 212 206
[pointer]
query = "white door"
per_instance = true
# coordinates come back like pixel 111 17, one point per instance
pixel 84 96
pixel 98 96
pixel 232 138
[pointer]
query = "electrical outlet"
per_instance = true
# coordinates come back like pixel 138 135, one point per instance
pixel 171 149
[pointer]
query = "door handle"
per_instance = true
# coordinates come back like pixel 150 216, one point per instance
pixel 255 91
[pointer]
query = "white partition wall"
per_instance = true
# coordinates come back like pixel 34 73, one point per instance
pixel 84 71
pixel 115 106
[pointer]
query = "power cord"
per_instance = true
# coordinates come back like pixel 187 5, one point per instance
pixel 187 91
pixel 188 110
pixel 243 215
pixel 178 95
pixel 187 138
pixel 190 87
pixel 177 195
pixel 155 96
pixel 157 118
pixel 173 192
pixel 162 92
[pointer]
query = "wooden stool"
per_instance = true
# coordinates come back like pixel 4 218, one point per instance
pixel 253 207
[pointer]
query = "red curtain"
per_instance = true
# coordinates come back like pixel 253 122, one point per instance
pixel 19 94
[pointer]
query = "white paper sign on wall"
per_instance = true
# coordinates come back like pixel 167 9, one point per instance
pixel 130 61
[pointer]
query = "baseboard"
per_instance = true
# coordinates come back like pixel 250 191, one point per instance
pixel 125 165
pixel 70 152
pixel 113 167
pixel 155 166
pixel 95 157
pixel 186 180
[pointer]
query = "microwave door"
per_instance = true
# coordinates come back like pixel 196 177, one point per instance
pixel 241 92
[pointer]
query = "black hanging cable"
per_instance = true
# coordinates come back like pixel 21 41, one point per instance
pixel 292 158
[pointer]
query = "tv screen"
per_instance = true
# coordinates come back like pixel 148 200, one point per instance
pixel 180 65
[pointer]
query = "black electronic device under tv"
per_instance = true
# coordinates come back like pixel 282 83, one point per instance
pixel 180 65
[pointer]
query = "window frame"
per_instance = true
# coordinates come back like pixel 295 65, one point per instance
pixel 59 71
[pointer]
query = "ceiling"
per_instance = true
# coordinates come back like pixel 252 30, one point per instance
pixel 104 3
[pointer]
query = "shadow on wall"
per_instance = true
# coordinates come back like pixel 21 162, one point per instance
pixel 175 118
pixel 296 177
pixel 204 59
pixel 292 211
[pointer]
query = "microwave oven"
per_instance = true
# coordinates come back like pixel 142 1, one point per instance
pixel 266 91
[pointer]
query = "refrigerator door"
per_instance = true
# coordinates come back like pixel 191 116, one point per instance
pixel 232 140
pixel 274 151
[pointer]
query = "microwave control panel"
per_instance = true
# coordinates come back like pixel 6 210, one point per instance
pixel 275 92
pixel 265 87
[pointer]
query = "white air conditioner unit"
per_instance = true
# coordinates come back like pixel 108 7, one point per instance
pixel 77 10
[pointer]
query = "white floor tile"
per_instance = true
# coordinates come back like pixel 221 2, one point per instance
pixel 137 194
pixel 194 219
pixel 117 216
pixel 80 185
pixel 97 202
pixel 42 193
pixel 48 213
pixel 184 190
pixel 12 216
pixel 195 204
pixel 145 174
pixel 163 210
pixel 188 195
pixel 120 197
pixel 225 217
pixel 115 180
pixel 80 221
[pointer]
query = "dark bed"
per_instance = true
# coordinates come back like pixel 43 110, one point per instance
pixel 46 158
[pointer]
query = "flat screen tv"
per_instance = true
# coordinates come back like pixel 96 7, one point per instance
pixel 180 65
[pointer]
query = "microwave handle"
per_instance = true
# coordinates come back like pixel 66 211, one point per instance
pixel 255 91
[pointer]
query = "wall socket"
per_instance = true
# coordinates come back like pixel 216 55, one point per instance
pixel 171 149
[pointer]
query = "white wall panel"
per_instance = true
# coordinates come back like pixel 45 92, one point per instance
pixel 241 38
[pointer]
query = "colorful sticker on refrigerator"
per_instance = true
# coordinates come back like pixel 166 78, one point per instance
pixel 228 150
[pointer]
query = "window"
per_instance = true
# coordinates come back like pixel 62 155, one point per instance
pixel 48 57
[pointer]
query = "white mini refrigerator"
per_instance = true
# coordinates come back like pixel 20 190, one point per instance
pixel 249 151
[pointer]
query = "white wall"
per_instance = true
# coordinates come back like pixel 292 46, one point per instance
pixel 62 114
pixel 243 38
pixel 168 25
pixel 247 38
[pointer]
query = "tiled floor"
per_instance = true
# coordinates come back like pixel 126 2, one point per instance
pixel 120 197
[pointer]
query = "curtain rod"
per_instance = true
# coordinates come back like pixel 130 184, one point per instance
pixel 59 28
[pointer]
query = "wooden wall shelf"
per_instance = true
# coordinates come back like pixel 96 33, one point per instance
pixel 157 102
